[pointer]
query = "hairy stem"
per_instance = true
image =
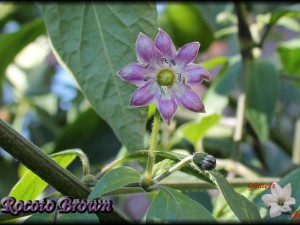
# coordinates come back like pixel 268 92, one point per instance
pixel 47 169
pixel 152 149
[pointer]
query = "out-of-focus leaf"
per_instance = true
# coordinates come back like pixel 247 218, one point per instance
pixel 194 131
pixel 170 205
pixel 294 178
pixel 94 41
pixel 209 64
pixel 113 180
pixel 262 94
pixel 291 10
pixel 30 185
pixel 289 53
pixel 245 210
pixel 188 25
pixel 91 134
pixel 216 99
pixel 13 43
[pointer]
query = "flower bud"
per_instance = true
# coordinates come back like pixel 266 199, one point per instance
pixel 204 161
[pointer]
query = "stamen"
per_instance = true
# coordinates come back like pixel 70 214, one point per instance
pixel 146 65
pixel 173 61
pixel 165 60
pixel 164 89
pixel 183 80
pixel 147 78
pixel 179 77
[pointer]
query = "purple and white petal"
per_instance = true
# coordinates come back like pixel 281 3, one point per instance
pixel 277 191
pixel 145 94
pixel 136 73
pixel 166 105
pixel 187 54
pixel 269 199
pixel 275 211
pixel 187 98
pixel 287 191
pixel 164 43
pixel 195 74
pixel 147 52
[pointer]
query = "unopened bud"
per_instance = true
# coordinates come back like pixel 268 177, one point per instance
pixel 204 161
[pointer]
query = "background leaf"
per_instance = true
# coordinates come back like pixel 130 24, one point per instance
pixel 30 185
pixel 289 53
pixel 13 43
pixel 113 180
pixel 262 93
pixel 95 41
pixel 170 205
pixel 246 211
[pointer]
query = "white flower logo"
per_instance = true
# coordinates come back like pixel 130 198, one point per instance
pixel 279 200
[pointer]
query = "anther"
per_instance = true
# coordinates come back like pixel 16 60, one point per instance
pixel 173 61
pixel 165 60
pixel 146 65
pixel 164 89
pixel 183 80
pixel 147 78
pixel 179 77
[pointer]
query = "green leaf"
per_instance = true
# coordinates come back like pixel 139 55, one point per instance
pixel 170 205
pixel 11 44
pixel 30 185
pixel 194 131
pixel 115 179
pixel 289 53
pixel 187 25
pixel 262 92
pixel 246 211
pixel 95 41
pixel 291 10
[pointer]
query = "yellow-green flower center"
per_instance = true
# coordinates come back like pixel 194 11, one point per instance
pixel 166 77
pixel 280 201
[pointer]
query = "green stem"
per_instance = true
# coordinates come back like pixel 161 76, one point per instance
pixel 173 169
pixel 47 169
pixel 152 149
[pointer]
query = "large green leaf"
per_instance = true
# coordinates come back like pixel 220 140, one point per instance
pixel 113 180
pixel 289 53
pixel 94 41
pixel 11 44
pixel 262 94
pixel 30 185
pixel 170 205
pixel 246 211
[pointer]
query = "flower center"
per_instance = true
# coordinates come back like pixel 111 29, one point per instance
pixel 165 77
pixel 280 201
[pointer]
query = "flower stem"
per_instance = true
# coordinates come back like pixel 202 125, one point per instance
pixel 173 169
pixel 152 149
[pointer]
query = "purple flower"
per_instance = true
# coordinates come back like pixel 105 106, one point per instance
pixel 165 75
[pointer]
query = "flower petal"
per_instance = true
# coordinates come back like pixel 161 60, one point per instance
pixel 269 199
pixel 135 73
pixel 147 52
pixel 145 94
pixel 195 74
pixel 187 98
pixel 277 191
pixel 187 54
pixel 287 191
pixel 290 201
pixel 166 105
pixel 285 208
pixel 164 43
pixel 274 211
